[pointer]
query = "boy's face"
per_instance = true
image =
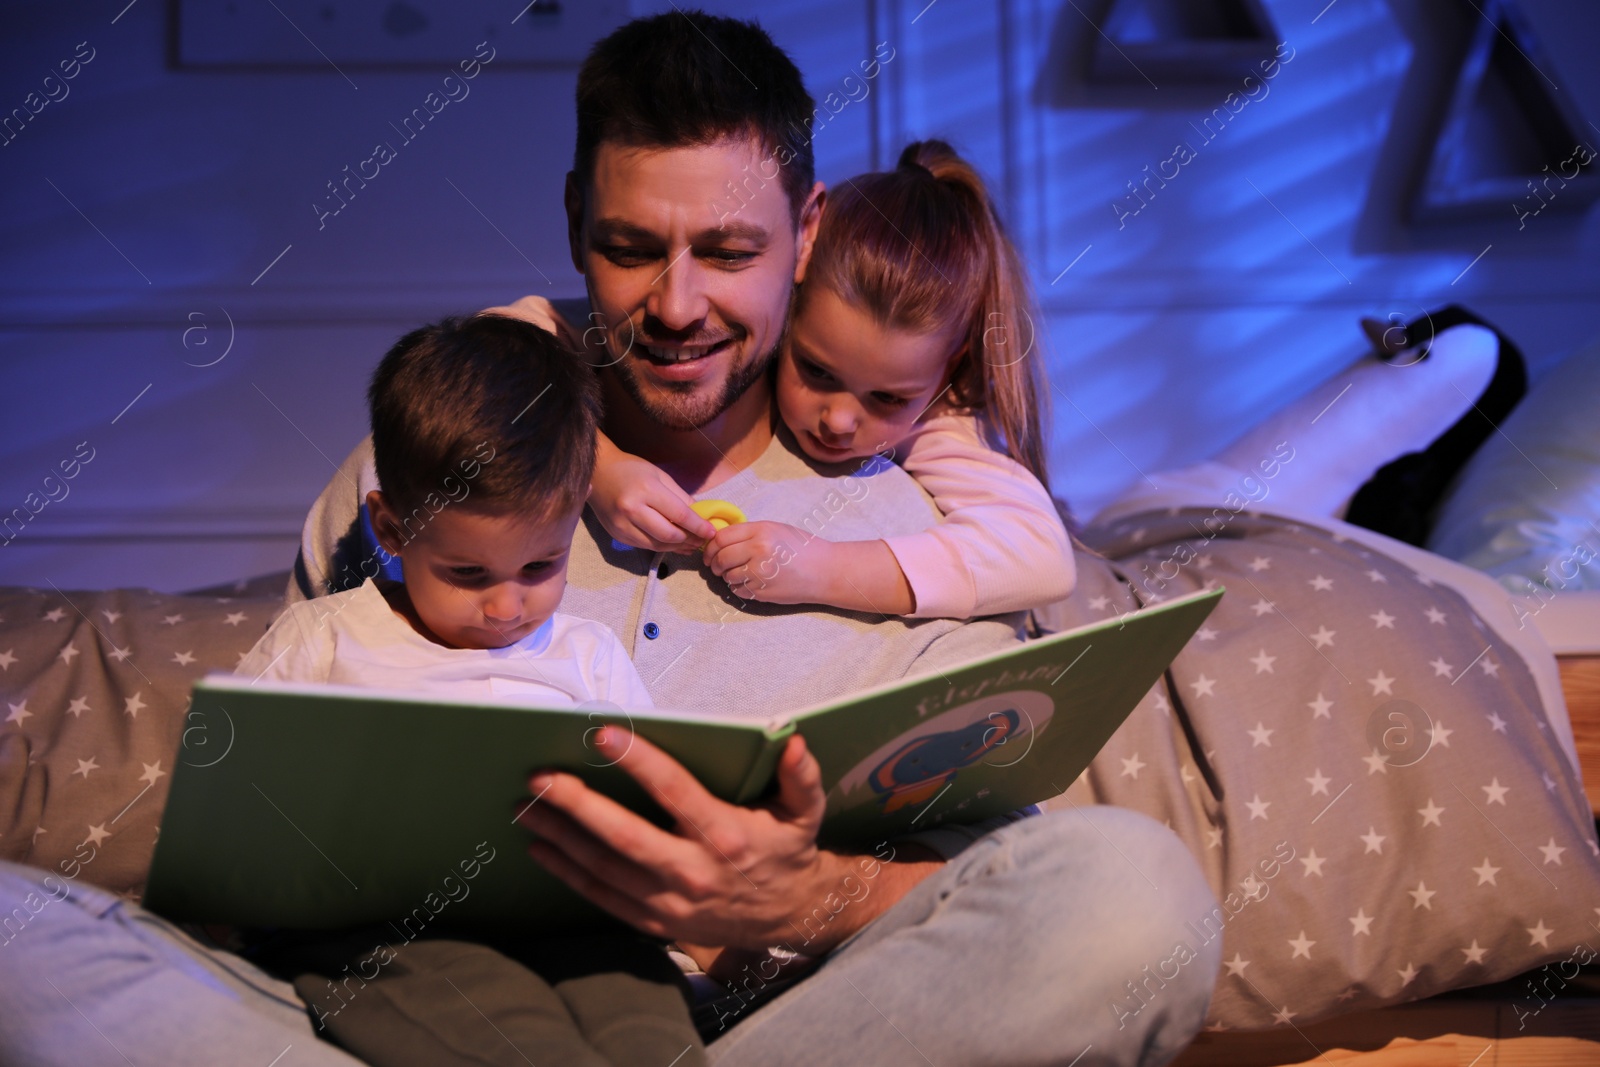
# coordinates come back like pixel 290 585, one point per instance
pixel 479 580
pixel 690 255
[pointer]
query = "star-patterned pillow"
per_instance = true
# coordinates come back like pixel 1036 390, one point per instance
pixel 1361 765
pixel 95 686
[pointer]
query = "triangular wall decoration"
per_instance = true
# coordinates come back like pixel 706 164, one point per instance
pixel 1183 41
pixel 1511 140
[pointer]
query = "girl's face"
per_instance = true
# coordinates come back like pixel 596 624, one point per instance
pixel 848 386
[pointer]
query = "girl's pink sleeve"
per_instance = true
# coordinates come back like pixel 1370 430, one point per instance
pixel 1001 547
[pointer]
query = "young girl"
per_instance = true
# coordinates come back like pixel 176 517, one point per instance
pixel 911 339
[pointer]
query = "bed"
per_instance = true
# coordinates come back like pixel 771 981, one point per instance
pixel 1363 884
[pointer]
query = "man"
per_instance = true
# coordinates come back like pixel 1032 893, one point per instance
pixel 953 946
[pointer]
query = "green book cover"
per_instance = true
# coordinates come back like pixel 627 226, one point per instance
pixel 317 806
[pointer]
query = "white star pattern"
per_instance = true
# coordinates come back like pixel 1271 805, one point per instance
pixel 111 616
pixel 1439 734
pixel 1474 953
pixel 1539 935
pixel 1236 965
pixel 1436 616
pixel 7 659
pixel 1361 923
pixel 171 620
pixel 1441 669
pixel 85 766
pixel 18 712
pixel 1206 633
pixel 183 659
pixel 1497 723
pixel 1496 791
pixel 1422 896
pixel 1131 767
pixel 1430 814
pixel 66 654
pixel 1374 840
pixel 1260 736
pixel 1302 946
pixel 54 615
pixel 120 654
pixel 1323 636
pixel 1099 603
pixel 1262 607
pixel 1320 584
pixel 1203 686
pixel 1552 852
pixel 235 618
pixel 1486 872
pixel 1258 807
pixel 1377 763
pixel 1319 783
pixel 1319 707
pixel 97 834
pixel 152 771
pixel 1489 667
pixel 1283 1014
pixel 1381 683
pixel 79 706
pixel 133 705
pixel 1382 620
pixel 1313 864
pixel 1377 576
pixel 1407 975
pixel 1260 563
pixel 1263 662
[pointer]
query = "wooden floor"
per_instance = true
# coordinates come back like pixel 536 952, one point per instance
pixel 1468 1028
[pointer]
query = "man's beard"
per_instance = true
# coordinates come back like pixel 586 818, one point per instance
pixel 677 406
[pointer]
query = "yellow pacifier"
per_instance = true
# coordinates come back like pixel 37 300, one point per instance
pixel 718 513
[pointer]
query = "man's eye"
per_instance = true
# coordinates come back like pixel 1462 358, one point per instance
pixel 624 256
pixel 725 255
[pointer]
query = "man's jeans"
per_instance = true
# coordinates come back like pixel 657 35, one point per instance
pixel 1055 940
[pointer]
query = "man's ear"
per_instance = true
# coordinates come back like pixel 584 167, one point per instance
pixel 573 198
pixel 806 239
pixel 384 523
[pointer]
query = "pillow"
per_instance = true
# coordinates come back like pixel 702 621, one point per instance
pixel 1526 508
pixel 1363 770
pixel 95 686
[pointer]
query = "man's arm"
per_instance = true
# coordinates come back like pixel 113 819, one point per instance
pixel 724 874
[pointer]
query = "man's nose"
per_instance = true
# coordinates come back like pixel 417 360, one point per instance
pixel 677 295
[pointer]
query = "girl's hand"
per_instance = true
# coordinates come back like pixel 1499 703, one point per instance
pixel 771 562
pixel 540 312
pixel 641 506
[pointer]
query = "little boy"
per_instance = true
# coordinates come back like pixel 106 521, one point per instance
pixel 483 433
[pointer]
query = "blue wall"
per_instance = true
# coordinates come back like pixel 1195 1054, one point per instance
pixel 154 214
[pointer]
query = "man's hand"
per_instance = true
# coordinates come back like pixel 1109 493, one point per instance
pixel 724 875
pixel 640 505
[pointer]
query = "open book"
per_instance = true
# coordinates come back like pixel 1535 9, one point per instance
pixel 317 806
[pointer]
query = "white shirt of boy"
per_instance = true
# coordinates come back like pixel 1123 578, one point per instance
pixel 356 638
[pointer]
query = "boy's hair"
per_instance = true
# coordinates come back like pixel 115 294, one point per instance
pixel 686 78
pixel 486 411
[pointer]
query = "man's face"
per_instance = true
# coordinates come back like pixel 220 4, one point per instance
pixel 690 256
